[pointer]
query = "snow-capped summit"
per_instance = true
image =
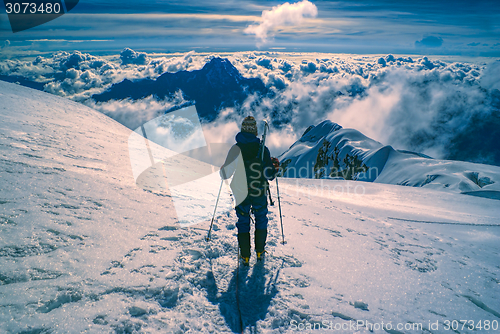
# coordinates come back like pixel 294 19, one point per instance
pixel 327 135
pixel 323 129
pixel 327 150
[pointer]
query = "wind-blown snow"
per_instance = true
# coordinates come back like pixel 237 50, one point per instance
pixel 82 249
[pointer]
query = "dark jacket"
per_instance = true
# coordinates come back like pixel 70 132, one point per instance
pixel 247 146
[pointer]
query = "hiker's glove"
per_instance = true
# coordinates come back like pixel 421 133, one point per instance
pixel 276 162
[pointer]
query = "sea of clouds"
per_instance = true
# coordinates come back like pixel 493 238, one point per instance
pixel 443 108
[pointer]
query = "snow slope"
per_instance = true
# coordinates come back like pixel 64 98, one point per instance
pixel 390 166
pixel 83 249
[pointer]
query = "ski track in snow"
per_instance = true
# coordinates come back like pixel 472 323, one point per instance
pixel 82 249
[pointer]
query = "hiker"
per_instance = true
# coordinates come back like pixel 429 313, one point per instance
pixel 249 186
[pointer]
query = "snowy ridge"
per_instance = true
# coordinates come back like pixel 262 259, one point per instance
pixel 83 249
pixel 388 165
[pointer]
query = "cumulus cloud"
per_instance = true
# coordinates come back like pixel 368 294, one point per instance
pixel 223 129
pixel 381 61
pixel 490 78
pixel 176 64
pixel 429 42
pixel 282 15
pixel 424 105
pixel 79 75
pixel 133 114
pixel 129 56
pixel 308 67
pixel 5 44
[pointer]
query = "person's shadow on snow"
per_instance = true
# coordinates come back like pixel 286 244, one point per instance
pixel 255 293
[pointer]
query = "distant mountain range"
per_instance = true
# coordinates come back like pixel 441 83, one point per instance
pixel 217 85
pixel 329 151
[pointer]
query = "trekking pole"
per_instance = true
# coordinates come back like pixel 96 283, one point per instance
pixel 279 206
pixel 271 202
pixel 215 209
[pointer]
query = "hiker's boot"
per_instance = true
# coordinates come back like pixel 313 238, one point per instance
pixel 244 242
pixel 260 243
pixel 260 255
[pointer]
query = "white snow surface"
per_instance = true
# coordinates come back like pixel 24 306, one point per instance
pixel 84 250
pixel 391 166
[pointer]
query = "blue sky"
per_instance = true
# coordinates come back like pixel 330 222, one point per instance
pixel 468 28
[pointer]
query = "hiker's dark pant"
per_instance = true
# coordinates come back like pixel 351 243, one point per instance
pixel 258 205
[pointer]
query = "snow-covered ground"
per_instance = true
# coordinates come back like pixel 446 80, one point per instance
pixel 83 249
